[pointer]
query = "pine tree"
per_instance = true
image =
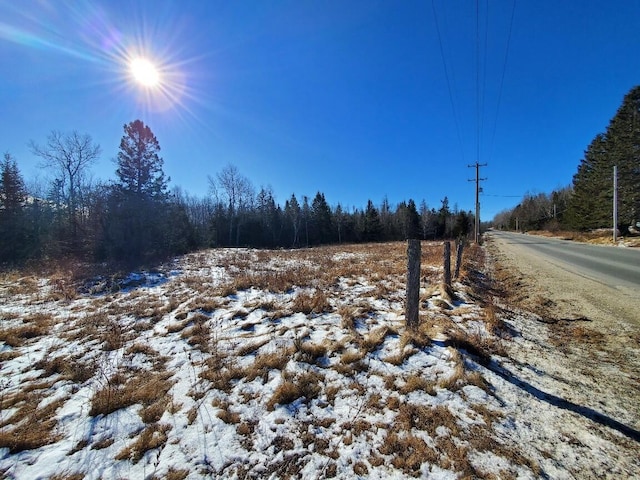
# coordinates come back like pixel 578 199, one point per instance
pixel 13 234
pixel 372 228
pixel 592 200
pixel 140 210
pixel 412 220
pixel 139 166
pixel 321 219
pixel 623 142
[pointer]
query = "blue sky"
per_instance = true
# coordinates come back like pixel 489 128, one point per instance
pixel 349 98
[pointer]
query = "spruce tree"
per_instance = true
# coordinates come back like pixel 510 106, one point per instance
pixel 13 195
pixel 592 201
pixel 139 165
pixel 139 207
pixel 321 219
pixel 372 228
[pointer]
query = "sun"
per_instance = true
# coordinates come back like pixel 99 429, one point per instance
pixel 144 72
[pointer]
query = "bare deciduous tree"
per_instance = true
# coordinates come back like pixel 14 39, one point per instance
pixel 237 192
pixel 69 155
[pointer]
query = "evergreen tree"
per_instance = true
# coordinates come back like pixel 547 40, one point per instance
pixel 139 166
pixel 13 195
pixel 139 206
pixel 372 228
pixel 591 204
pixel 623 142
pixel 412 221
pixel 306 217
pixel 322 221
pixel 444 216
pixel 592 200
pixel 293 214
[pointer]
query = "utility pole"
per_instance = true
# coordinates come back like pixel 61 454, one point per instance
pixel 615 204
pixel 476 234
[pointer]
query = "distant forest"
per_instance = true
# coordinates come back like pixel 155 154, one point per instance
pixel 587 203
pixel 136 219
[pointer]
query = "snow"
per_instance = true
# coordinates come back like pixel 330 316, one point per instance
pixel 222 421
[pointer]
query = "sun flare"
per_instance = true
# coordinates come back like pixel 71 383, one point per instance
pixel 144 72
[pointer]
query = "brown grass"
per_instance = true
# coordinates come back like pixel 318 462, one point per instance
pixel 227 415
pixel 33 326
pixel 307 303
pixel 481 346
pixel 408 452
pixel 310 352
pixel 153 436
pixel 198 334
pixel 265 362
pixel 376 337
pixel 307 385
pixel 144 387
pixel 32 425
pixel 418 382
pixel 67 476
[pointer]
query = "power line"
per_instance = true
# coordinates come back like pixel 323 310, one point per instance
pixel 446 74
pixel 501 196
pixel 504 69
pixel 477 81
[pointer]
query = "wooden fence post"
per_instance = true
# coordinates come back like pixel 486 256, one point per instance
pixel 413 284
pixel 446 260
pixel 459 249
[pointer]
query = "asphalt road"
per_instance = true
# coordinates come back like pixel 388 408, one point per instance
pixel 611 266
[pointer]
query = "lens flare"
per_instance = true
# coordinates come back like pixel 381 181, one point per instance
pixel 144 72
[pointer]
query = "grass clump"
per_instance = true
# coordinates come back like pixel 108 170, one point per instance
pixel 307 303
pixel 145 388
pixel 152 437
pixel 307 385
pixel 32 425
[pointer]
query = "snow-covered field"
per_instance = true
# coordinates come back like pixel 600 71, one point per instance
pixel 236 363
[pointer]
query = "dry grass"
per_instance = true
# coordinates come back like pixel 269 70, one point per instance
pixel 32 425
pixel 418 382
pixel 307 303
pixel 376 337
pixel 307 385
pixel 67 476
pixel 153 436
pixel 398 359
pixel 476 344
pixel 33 326
pixel 309 352
pixel 74 369
pixel 198 334
pixel 226 414
pixel 381 269
pixel 265 362
pixel 408 452
pixel 122 391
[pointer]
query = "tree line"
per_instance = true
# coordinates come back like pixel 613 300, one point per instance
pixel 587 203
pixel 135 218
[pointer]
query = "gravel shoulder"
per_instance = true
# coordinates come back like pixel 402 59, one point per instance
pixel 577 348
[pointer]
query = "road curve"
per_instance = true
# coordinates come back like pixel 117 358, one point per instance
pixel 612 266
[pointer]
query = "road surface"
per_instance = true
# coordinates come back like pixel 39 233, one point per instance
pixel 588 281
pixel 612 266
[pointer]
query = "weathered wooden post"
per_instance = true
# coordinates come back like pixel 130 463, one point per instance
pixel 413 284
pixel 446 260
pixel 459 249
